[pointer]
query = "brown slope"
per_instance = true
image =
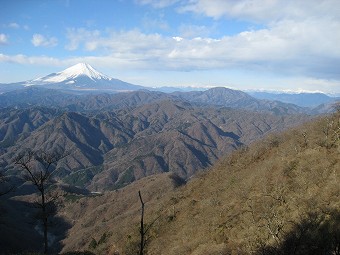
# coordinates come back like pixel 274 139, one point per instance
pixel 253 201
pixel 121 205
pixel 85 139
pixel 271 188
pixel 112 149
pixel 15 123
pixel 174 136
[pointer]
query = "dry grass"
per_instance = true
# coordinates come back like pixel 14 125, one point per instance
pixel 249 202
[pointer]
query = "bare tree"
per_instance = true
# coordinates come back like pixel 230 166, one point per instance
pixel 4 187
pixel 141 231
pixel 39 167
pixel 144 228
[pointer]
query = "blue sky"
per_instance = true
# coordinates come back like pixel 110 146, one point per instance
pixel 290 45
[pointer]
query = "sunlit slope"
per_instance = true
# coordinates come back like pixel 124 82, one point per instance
pixel 278 195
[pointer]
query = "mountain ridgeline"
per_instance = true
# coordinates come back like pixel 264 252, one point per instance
pixel 221 97
pixel 110 149
pixel 64 89
pixel 117 138
pixel 217 169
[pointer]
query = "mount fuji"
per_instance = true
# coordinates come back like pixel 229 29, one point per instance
pixel 71 74
pixel 78 78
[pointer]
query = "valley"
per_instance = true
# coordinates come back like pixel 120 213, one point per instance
pixel 204 161
pixel 150 133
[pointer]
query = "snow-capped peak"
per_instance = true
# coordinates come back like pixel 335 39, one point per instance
pixel 81 69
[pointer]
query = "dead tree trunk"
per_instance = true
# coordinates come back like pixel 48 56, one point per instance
pixel 141 231
pixel 45 220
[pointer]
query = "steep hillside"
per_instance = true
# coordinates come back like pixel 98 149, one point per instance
pixel 277 196
pixel 108 150
pixel 16 124
pixel 183 139
pixel 85 139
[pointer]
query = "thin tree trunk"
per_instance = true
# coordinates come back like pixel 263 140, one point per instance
pixel 142 237
pixel 44 215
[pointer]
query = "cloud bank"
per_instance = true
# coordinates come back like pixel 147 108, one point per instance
pixel 308 47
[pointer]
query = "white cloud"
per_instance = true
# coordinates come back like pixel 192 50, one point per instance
pixel 14 25
pixel 295 40
pixel 3 39
pixel 266 11
pixel 33 60
pixel 123 44
pixel 297 37
pixel 40 40
pixel 177 38
pixel 297 47
pixel 157 3
pixel 307 47
pixel 77 36
pixel 101 61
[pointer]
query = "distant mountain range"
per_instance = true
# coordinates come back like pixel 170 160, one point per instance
pixel 116 138
pixel 300 99
pixel 84 79
pixel 221 97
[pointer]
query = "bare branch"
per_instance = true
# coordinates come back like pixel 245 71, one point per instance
pixel 39 167
pixel 5 190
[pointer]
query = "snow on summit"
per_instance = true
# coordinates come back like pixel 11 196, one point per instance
pixel 73 72
pixel 81 77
